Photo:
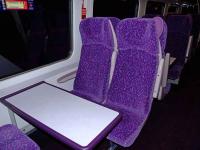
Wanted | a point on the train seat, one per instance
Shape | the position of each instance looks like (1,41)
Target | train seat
(131,89)
(161,81)
(179,28)
(92,79)
(11,138)
(161,27)
(162,33)
(114,21)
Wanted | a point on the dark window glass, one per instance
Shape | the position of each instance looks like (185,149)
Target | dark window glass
(172,9)
(115,8)
(155,8)
(34,38)
(189,9)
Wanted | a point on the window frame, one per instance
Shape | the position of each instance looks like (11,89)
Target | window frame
(159,2)
(54,62)
(27,78)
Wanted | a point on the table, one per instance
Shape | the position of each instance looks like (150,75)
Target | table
(73,120)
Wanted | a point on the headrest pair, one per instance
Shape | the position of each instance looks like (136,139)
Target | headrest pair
(130,32)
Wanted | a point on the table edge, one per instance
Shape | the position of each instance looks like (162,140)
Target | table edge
(52,132)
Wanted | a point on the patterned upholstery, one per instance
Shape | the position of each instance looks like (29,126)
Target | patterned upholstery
(152,16)
(131,90)
(114,21)
(94,67)
(161,31)
(11,138)
(161,27)
(179,28)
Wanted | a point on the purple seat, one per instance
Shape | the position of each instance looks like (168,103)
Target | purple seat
(114,21)
(153,15)
(11,138)
(94,67)
(131,89)
(162,32)
(179,28)
(161,27)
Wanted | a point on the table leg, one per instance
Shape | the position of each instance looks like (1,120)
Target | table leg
(12,117)
(113,146)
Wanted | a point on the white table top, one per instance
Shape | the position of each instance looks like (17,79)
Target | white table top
(69,115)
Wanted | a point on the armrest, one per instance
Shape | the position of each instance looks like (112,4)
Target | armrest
(166,69)
(189,48)
(158,78)
(67,77)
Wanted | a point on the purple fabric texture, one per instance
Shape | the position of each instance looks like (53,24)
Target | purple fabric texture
(131,89)
(179,28)
(163,37)
(153,15)
(114,21)
(94,66)
(175,71)
(139,35)
(11,138)
(161,27)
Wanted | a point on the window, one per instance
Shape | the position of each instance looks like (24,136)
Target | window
(115,8)
(172,9)
(189,8)
(33,38)
(156,8)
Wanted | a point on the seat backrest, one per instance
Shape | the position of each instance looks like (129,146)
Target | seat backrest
(114,21)
(161,27)
(179,28)
(136,67)
(153,15)
(92,77)
(161,32)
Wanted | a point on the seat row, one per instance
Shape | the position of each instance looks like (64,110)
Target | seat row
(182,37)
(119,68)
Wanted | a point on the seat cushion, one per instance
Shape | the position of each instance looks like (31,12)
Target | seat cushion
(128,129)
(175,71)
(11,138)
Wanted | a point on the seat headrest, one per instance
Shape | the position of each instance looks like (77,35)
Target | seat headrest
(138,32)
(114,21)
(161,28)
(96,30)
(179,23)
